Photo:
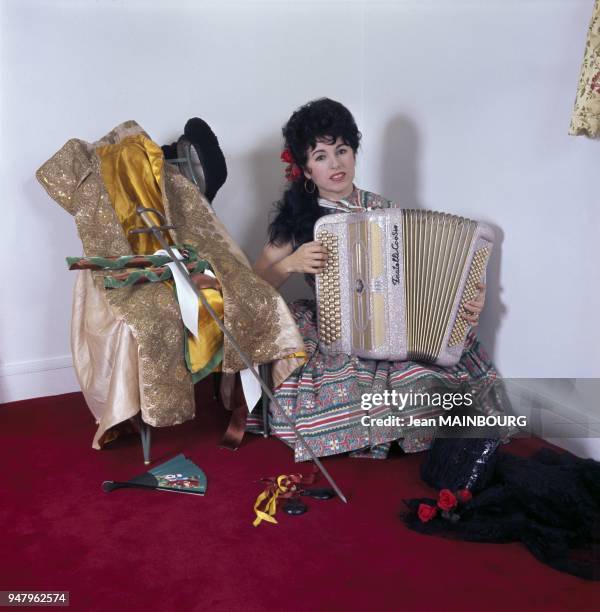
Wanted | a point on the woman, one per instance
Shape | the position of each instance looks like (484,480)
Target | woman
(324,396)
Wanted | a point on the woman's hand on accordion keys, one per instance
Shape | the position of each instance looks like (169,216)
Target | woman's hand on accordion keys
(474,307)
(310,257)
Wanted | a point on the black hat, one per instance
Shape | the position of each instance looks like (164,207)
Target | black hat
(204,163)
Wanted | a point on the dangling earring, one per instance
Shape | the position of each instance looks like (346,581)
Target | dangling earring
(306,183)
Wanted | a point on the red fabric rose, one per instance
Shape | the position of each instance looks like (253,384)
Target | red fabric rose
(447,500)
(426,512)
(292,170)
(295,172)
(286,156)
(464,496)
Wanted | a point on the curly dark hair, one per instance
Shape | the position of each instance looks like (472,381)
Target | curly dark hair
(324,120)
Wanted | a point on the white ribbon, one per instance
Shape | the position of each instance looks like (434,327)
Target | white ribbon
(186,296)
(251,387)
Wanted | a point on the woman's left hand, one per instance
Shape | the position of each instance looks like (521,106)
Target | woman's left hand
(474,307)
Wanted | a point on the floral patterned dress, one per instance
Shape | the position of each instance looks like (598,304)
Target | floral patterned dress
(324,396)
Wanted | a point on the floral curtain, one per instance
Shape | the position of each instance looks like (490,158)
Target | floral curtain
(586,114)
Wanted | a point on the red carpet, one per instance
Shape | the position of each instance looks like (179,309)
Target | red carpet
(134,549)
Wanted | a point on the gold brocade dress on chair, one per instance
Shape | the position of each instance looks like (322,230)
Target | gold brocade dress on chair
(128,344)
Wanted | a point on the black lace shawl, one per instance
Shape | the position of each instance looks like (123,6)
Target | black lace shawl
(550,502)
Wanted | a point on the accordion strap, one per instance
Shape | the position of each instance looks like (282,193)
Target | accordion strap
(341,206)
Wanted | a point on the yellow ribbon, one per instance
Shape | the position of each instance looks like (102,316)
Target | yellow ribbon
(283,485)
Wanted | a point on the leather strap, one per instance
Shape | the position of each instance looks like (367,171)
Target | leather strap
(239,413)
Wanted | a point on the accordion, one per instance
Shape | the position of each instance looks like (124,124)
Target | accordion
(396,281)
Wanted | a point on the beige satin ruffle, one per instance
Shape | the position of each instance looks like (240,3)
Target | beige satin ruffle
(105,357)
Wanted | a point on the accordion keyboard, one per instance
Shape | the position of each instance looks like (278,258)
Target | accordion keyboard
(330,313)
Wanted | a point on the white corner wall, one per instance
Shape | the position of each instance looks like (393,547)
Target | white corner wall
(464,107)
(467,110)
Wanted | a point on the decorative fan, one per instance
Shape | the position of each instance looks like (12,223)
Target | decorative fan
(178,475)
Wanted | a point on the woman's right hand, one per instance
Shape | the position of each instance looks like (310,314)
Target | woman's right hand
(310,257)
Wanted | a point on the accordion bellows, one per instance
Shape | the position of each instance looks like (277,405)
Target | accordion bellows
(396,281)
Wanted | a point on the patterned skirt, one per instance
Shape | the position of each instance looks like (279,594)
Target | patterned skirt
(328,398)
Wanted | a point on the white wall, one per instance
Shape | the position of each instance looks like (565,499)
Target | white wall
(464,106)
(477,105)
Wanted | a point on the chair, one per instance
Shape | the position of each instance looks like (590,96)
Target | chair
(200,159)
(126,343)
(265,373)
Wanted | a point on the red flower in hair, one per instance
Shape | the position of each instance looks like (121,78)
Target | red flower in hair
(292,170)
(464,496)
(286,156)
(447,500)
(426,512)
